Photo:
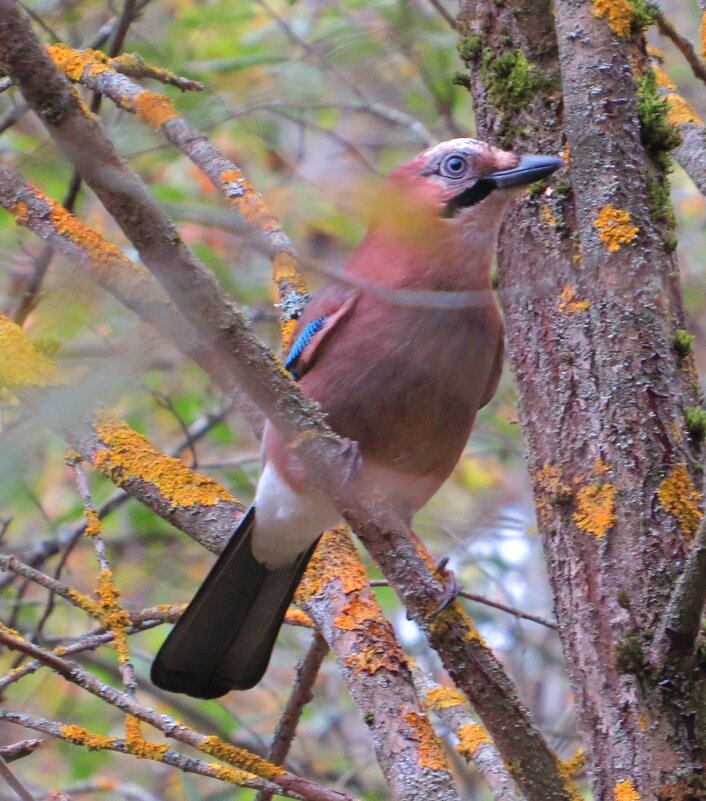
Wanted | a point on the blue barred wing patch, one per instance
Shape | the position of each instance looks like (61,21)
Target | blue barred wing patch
(301,343)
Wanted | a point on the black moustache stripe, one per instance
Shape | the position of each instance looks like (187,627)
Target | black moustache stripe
(469,197)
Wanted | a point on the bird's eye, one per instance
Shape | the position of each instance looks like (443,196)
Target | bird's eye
(454,166)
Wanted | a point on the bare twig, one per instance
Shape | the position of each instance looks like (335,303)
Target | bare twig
(439,6)
(683,44)
(20,749)
(481,599)
(302,693)
(18,786)
(682,617)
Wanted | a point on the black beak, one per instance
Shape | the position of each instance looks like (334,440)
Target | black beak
(529,170)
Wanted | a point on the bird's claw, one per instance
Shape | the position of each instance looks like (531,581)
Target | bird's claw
(351,457)
(452,589)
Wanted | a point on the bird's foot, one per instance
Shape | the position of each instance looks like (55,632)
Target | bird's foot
(351,457)
(452,589)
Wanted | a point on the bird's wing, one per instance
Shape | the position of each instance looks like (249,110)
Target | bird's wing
(322,316)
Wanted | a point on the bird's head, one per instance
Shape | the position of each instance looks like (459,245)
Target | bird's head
(460,186)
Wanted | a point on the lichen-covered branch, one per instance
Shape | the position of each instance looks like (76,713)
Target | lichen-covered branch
(196,293)
(75,735)
(159,112)
(690,153)
(474,743)
(243,762)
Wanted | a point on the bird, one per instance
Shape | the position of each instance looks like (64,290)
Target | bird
(398,375)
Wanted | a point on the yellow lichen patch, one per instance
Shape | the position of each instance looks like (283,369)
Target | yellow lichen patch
(444,698)
(295,617)
(154,109)
(129,456)
(74,63)
(375,648)
(679,112)
(431,753)
(703,34)
(619,12)
(112,616)
(93,523)
(595,512)
(570,303)
(239,757)
(286,330)
(625,791)
(600,468)
(21,364)
(615,228)
(138,746)
(679,497)
(470,738)
(106,784)
(80,736)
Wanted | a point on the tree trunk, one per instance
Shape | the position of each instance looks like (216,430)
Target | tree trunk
(606,386)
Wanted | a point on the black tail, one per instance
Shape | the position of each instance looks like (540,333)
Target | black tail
(224,639)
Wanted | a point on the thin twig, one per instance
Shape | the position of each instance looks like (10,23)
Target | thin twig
(19,750)
(481,599)
(14,782)
(683,44)
(438,5)
(682,618)
(302,693)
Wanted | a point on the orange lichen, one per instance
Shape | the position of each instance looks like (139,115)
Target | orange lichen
(703,34)
(74,63)
(21,364)
(549,483)
(84,602)
(239,757)
(154,109)
(678,496)
(600,468)
(136,744)
(548,215)
(444,698)
(93,523)
(570,768)
(243,196)
(20,212)
(232,775)
(112,616)
(106,784)
(614,227)
(569,303)
(431,753)
(619,12)
(470,738)
(295,617)
(357,613)
(128,456)
(335,558)
(625,791)
(595,512)
(679,112)
(80,736)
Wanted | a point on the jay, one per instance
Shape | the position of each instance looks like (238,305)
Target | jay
(403,381)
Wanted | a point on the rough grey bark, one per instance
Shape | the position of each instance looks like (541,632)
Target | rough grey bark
(602,390)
